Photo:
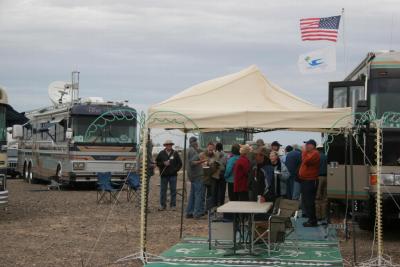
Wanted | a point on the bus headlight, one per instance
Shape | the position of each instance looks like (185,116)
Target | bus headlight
(397,179)
(78,165)
(129,166)
(387,178)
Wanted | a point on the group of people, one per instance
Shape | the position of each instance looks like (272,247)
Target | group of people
(259,174)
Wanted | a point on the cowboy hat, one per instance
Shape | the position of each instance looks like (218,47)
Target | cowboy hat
(168,142)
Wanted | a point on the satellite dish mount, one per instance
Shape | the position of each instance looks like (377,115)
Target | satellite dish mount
(61,92)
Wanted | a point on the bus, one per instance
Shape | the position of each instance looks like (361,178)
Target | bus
(374,87)
(71,141)
(227,138)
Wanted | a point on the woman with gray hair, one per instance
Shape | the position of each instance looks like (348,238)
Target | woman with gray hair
(241,174)
(277,175)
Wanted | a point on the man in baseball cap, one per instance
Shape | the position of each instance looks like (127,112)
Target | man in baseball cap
(195,206)
(308,174)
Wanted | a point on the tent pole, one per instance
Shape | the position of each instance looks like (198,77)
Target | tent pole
(352,198)
(346,162)
(183,183)
(143,196)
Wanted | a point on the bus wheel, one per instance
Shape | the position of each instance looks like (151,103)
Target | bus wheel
(25,172)
(58,177)
(31,180)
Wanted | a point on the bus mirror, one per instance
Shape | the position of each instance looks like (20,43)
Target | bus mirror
(17,131)
(68,134)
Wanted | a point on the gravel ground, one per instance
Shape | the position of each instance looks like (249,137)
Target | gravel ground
(68,228)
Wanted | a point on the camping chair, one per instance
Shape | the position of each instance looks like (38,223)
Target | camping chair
(105,187)
(279,224)
(54,185)
(133,192)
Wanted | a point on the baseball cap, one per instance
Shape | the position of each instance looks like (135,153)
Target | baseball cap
(311,142)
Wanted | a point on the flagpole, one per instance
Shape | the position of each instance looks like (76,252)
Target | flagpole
(344,44)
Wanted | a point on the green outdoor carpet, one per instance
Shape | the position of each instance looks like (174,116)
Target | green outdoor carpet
(195,252)
(314,246)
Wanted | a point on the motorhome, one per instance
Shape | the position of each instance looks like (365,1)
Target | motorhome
(8,117)
(12,160)
(373,88)
(74,139)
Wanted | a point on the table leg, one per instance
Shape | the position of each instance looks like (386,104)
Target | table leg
(251,224)
(234,233)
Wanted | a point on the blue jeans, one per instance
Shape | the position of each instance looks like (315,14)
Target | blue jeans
(195,205)
(296,190)
(289,187)
(165,180)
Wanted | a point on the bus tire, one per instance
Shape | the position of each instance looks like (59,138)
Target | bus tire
(31,179)
(25,172)
(58,176)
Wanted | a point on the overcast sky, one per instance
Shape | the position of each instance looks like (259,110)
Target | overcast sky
(146,51)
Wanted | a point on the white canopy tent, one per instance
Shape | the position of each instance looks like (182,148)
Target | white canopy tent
(245,99)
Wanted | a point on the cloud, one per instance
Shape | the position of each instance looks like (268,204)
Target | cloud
(146,51)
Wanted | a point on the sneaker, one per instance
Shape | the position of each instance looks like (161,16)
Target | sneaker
(161,208)
(310,224)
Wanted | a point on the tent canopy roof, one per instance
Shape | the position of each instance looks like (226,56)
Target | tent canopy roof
(245,99)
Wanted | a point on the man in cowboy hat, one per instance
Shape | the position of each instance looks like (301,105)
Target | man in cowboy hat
(169,163)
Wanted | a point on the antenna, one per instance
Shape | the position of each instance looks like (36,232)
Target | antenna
(75,85)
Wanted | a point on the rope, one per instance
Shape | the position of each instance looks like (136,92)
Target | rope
(105,222)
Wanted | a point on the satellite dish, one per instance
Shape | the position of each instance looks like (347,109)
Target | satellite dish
(60,92)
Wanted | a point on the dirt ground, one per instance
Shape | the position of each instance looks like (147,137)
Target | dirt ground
(68,228)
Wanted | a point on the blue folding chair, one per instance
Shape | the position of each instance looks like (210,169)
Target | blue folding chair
(133,192)
(104,187)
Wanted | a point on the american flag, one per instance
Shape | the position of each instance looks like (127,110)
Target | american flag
(316,29)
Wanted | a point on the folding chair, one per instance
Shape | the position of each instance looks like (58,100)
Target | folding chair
(54,185)
(219,230)
(279,224)
(104,187)
(133,192)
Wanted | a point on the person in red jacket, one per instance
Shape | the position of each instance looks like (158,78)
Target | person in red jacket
(241,174)
(308,174)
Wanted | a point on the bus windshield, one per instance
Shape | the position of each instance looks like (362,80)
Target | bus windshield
(227,138)
(3,129)
(385,95)
(115,132)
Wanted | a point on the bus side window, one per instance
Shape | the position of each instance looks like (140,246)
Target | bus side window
(356,94)
(60,131)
